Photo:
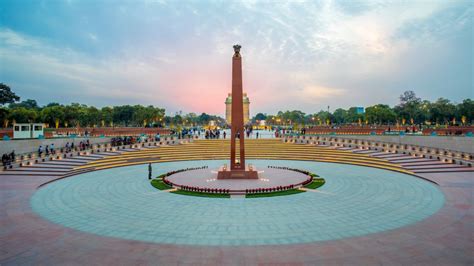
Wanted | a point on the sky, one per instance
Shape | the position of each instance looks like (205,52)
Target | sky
(303,55)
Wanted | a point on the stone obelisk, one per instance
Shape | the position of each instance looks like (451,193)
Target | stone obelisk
(238,169)
(237,126)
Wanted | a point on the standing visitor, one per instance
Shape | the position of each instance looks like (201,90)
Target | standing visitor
(149,171)
(224,134)
(12,157)
(4,160)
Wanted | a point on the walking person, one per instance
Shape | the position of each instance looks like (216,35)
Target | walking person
(40,151)
(12,157)
(149,171)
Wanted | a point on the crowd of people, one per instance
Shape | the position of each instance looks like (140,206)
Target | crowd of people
(8,158)
(127,140)
(47,150)
(213,134)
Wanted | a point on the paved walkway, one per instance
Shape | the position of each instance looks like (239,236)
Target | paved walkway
(445,238)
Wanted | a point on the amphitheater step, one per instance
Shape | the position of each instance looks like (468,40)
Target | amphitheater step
(410,159)
(364,152)
(439,166)
(35,169)
(52,166)
(433,162)
(455,170)
(30,173)
(62,163)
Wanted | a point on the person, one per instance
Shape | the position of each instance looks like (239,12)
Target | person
(47,149)
(67,147)
(4,159)
(149,171)
(52,148)
(12,156)
(256,135)
(40,151)
(224,134)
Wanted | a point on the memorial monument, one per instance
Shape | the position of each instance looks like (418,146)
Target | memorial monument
(228,108)
(238,169)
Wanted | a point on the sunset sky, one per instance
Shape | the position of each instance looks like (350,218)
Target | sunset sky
(177,54)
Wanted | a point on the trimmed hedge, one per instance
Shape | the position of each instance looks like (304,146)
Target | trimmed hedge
(275,194)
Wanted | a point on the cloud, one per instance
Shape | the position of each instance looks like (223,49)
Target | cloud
(317,92)
(305,55)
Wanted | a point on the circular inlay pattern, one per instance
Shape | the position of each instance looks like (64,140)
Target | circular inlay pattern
(267,178)
(355,201)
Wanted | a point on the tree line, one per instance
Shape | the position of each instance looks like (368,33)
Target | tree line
(81,115)
(410,110)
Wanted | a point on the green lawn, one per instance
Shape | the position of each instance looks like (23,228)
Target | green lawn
(317,182)
(201,194)
(159,184)
(275,194)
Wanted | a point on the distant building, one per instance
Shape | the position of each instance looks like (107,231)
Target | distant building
(28,130)
(360,110)
(228,108)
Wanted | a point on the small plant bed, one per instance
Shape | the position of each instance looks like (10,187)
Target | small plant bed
(274,194)
(316,183)
(159,184)
(201,194)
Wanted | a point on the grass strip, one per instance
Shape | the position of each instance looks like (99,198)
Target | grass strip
(159,184)
(275,194)
(316,183)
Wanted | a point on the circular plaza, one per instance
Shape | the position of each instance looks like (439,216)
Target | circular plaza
(355,201)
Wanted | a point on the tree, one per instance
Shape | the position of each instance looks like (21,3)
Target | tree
(52,104)
(380,113)
(71,114)
(442,111)
(260,117)
(28,104)
(340,116)
(353,116)
(52,114)
(409,97)
(409,107)
(6,95)
(466,110)
(107,115)
(123,114)
(204,119)
(23,115)
(4,114)
(324,117)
